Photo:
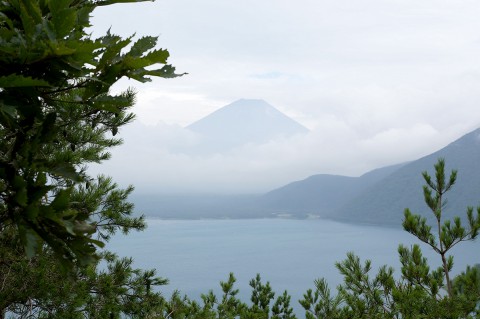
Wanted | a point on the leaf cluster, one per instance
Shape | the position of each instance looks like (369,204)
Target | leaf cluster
(57,115)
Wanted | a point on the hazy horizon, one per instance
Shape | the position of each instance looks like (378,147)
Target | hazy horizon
(188,163)
(376,82)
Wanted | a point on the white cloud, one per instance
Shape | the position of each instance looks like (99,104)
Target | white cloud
(153,158)
(379,82)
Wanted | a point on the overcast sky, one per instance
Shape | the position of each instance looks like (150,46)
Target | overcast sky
(377,82)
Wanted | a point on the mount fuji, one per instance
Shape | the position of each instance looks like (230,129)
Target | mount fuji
(244,122)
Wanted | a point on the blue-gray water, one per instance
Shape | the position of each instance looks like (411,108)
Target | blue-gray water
(195,255)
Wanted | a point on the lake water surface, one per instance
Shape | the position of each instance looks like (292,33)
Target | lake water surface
(195,255)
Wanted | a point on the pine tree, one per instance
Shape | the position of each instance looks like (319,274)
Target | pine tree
(444,235)
(419,292)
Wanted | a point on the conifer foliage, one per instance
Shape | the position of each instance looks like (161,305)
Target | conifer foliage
(420,292)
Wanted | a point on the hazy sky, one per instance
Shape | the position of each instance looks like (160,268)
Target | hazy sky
(377,82)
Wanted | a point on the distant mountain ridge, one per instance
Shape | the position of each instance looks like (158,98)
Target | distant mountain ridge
(382,198)
(377,197)
(319,195)
(385,201)
(246,121)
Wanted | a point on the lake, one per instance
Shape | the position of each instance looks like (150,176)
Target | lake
(195,255)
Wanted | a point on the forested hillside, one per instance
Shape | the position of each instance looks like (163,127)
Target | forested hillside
(385,201)
(320,195)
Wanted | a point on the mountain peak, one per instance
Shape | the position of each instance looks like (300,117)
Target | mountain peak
(245,121)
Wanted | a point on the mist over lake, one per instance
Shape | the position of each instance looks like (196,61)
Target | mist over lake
(195,255)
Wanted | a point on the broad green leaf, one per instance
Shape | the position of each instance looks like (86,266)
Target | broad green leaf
(48,212)
(113,46)
(15,80)
(86,48)
(31,241)
(65,170)
(83,16)
(7,116)
(167,71)
(19,182)
(158,56)
(50,32)
(142,45)
(64,21)
(109,2)
(84,228)
(57,6)
(69,227)
(135,63)
(59,49)
(31,212)
(31,16)
(62,200)
(48,127)
(97,242)
(8,109)
(37,193)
